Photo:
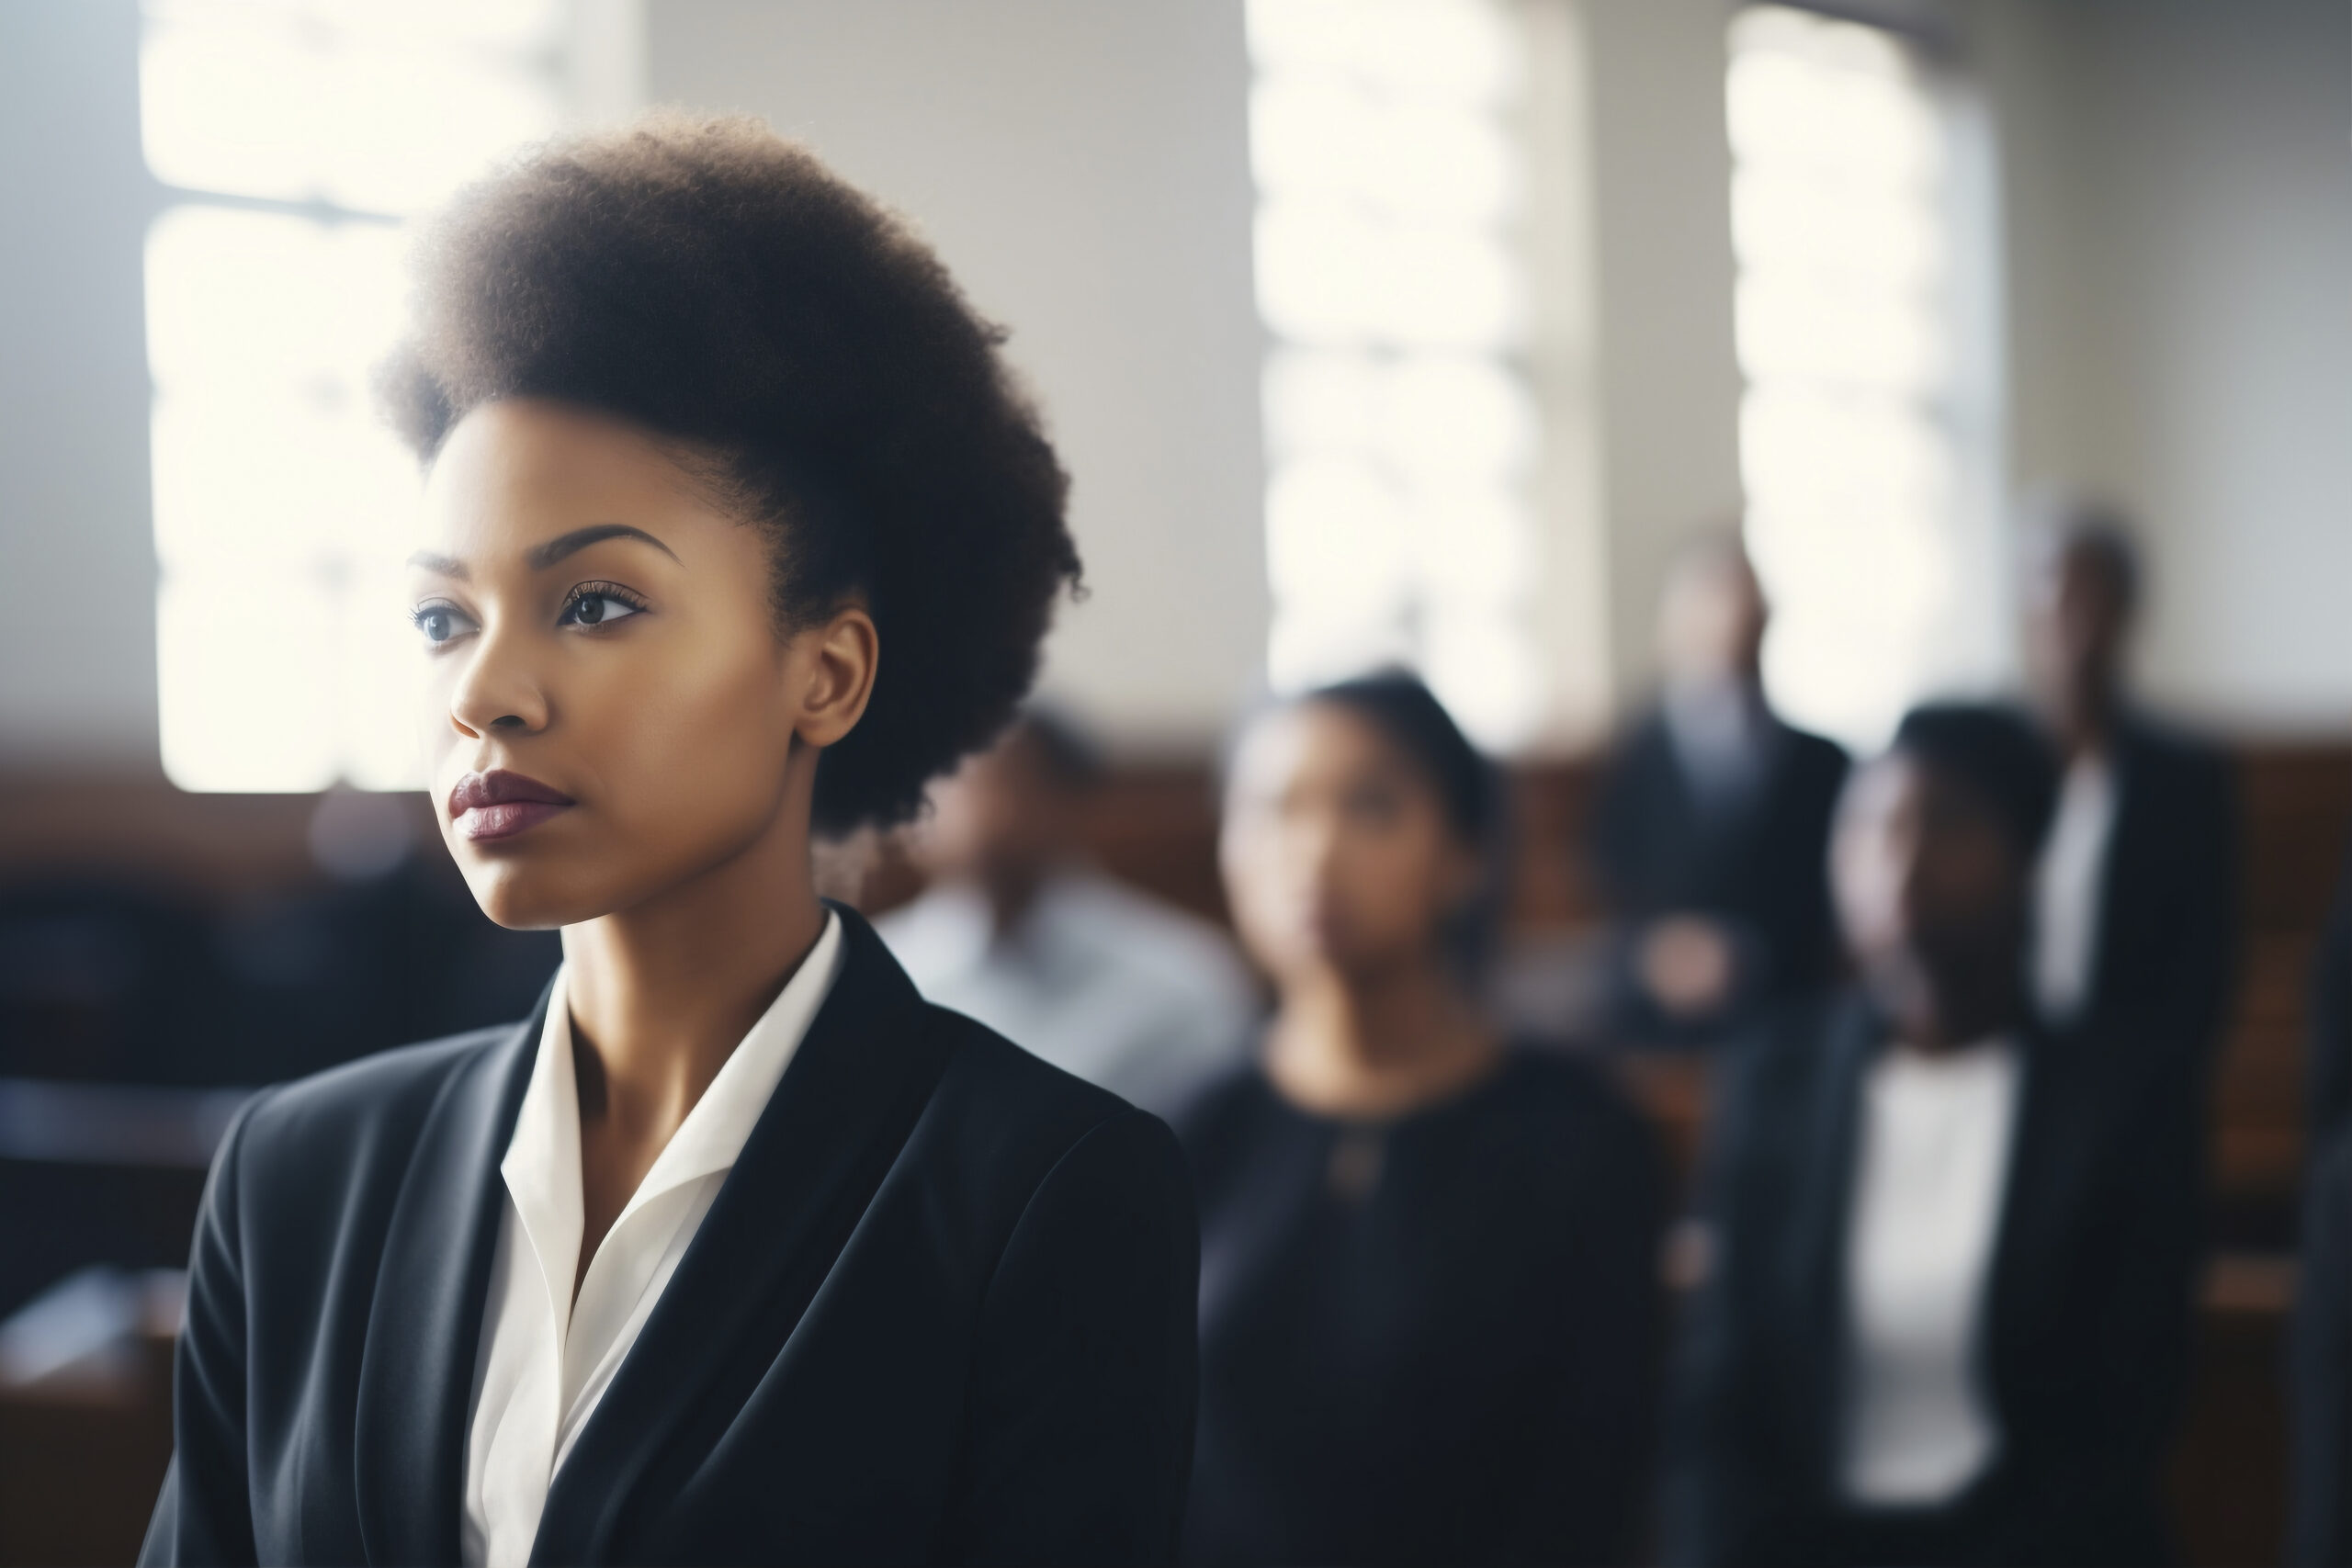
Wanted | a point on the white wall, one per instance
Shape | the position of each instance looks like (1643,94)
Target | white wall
(77,558)
(1083,169)
(1669,383)
(2177,182)
(2176,216)
(2178,179)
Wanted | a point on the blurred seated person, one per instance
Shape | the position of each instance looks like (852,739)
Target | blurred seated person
(1712,822)
(1430,1299)
(1946,1306)
(1019,931)
(2320,1369)
(2136,895)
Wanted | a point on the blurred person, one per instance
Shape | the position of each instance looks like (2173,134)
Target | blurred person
(1020,933)
(735,1250)
(1429,1287)
(2328,1088)
(1946,1306)
(2320,1381)
(2319,1530)
(1711,831)
(2135,898)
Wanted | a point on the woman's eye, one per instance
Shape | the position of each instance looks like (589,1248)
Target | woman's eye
(439,623)
(598,610)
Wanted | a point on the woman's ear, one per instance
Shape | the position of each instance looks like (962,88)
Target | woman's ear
(831,667)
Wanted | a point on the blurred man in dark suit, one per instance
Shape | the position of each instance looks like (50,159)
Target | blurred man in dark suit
(1712,824)
(2136,914)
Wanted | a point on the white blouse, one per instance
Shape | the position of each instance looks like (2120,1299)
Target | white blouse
(1931,1172)
(546,1359)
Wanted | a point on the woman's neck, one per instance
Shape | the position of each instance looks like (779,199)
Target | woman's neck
(1374,1047)
(661,993)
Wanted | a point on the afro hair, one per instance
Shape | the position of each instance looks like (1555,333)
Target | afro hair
(811,359)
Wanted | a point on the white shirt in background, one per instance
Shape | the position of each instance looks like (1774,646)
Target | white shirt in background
(546,1360)
(1931,1168)
(1103,982)
(2068,886)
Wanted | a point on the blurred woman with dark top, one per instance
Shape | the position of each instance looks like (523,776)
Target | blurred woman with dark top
(1946,1308)
(1429,1297)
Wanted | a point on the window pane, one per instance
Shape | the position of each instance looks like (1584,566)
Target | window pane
(256,299)
(1320,401)
(1399,426)
(368,108)
(282,504)
(381,671)
(246,681)
(1336,542)
(1843,330)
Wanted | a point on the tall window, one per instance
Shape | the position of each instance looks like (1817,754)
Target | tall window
(292,137)
(1400,431)
(1854,426)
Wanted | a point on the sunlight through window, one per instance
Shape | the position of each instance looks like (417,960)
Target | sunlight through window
(1846,339)
(293,136)
(1400,430)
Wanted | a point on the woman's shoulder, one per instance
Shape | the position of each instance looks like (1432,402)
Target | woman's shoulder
(1005,1115)
(338,1122)
(1223,1106)
(1030,1096)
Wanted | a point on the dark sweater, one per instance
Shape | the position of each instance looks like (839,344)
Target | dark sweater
(1427,1341)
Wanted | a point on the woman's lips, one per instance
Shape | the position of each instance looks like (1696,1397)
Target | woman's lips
(499,804)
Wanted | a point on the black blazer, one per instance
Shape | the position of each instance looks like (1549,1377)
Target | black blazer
(1759,866)
(2320,1363)
(2085,1336)
(941,1310)
(2169,902)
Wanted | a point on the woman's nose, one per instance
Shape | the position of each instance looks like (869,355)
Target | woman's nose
(497,693)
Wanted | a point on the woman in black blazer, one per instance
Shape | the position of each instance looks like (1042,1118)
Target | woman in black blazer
(1817,1419)
(736,1251)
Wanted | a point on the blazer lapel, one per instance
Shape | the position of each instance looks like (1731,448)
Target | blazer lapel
(416,1369)
(2049,1133)
(836,1123)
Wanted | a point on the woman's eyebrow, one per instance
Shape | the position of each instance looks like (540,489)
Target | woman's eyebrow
(539,557)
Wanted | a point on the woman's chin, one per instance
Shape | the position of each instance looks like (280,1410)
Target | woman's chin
(526,898)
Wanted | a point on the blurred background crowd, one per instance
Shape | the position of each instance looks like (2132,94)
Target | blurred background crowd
(1809,1027)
